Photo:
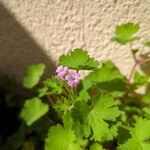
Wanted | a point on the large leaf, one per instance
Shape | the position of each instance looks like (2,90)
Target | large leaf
(79,114)
(60,138)
(115,87)
(107,72)
(78,59)
(33,75)
(140,136)
(33,109)
(107,78)
(104,109)
(125,33)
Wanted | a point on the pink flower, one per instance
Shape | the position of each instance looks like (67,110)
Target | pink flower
(73,78)
(61,71)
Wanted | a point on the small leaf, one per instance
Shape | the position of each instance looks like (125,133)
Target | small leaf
(125,33)
(33,109)
(33,74)
(147,43)
(51,86)
(134,51)
(60,138)
(61,106)
(146,98)
(140,80)
(96,146)
(78,59)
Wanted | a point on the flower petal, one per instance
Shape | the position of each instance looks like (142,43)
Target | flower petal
(59,68)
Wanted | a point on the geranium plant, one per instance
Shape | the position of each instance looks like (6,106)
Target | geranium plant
(102,111)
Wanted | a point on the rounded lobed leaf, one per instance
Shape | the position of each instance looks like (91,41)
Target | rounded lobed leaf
(33,109)
(33,75)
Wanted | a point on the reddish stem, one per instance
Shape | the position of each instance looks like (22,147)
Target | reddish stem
(137,62)
(132,71)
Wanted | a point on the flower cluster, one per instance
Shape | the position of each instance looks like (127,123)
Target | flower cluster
(72,77)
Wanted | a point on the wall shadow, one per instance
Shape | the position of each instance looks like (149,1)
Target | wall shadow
(17,47)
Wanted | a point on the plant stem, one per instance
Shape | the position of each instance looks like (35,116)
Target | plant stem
(132,71)
(51,102)
(136,63)
(133,54)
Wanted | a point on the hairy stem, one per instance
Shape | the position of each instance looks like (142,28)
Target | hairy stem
(136,62)
(132,72)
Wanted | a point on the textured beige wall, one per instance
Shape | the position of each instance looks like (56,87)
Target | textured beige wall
(42,30)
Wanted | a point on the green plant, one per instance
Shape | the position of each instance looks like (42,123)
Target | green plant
(101,111)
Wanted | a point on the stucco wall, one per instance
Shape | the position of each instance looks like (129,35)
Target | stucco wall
(42,30)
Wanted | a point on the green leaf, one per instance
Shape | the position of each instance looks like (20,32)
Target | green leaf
(146,111)
(79,60)
(86,84)
(147,43)
(96,146)
(140,136)
(140,80)
(60,138)
(107,78)
(123,134)
(40,127)
(33,109)
(79,114)
(105,109)
(61,106)
(51,86)
(33,75)
(107,72)
(125,33)
(146,98)
(83,95)
(116,87)
(83,90)
(67,119)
